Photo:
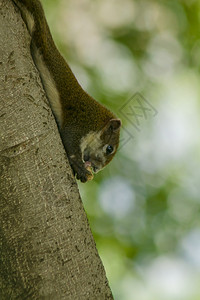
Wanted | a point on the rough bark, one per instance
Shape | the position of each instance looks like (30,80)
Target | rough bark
(46,247)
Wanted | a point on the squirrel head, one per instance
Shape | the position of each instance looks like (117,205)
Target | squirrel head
(98,148)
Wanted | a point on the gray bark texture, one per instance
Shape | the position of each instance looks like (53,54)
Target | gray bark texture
(47,250)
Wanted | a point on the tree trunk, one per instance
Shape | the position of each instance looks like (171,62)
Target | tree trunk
(46,247)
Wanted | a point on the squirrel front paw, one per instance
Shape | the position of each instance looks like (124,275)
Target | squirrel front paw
(82,172)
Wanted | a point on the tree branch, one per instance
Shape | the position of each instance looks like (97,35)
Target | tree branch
(46,247)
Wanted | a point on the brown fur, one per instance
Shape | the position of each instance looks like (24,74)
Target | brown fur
(78,115)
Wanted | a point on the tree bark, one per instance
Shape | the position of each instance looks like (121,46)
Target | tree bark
(46,247)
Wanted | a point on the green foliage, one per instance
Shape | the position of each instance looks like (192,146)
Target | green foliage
(144,207)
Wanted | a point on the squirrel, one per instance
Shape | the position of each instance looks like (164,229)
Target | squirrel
(89,131)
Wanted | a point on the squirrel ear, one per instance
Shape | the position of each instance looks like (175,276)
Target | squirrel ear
(115,124)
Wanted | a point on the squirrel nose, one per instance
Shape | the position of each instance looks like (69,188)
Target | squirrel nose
(86,157)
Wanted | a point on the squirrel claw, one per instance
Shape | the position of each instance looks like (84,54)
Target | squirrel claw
(82,173)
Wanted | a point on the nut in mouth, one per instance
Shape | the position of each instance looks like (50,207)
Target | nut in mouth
(88,167)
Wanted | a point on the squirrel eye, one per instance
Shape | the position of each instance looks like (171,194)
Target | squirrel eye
(109,149)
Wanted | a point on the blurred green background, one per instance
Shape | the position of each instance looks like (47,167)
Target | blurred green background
(144,208)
